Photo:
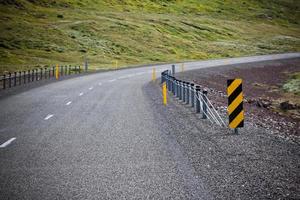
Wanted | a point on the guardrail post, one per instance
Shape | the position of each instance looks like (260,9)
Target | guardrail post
(66,70)
(53,68)
(32,75)
(187,93)
(20,77)
(15,79)
(173,86)
(184,93)
(4,81)
(28,76)
(170,83)
(180,90)
(36,74)
(41,73)
(204,105)
(197,99)
(45,73)
(176,88)
(49,71)
(9,79)
(24,76)
(61,71)
(173,70)
(192,94)
(167,80)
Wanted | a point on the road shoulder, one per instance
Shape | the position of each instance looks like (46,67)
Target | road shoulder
(252,165)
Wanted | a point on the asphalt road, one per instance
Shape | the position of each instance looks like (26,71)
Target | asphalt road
(96,137)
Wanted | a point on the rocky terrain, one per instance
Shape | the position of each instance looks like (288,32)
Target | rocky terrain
(267,104)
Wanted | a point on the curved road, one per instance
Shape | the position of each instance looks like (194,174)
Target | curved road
(95,137)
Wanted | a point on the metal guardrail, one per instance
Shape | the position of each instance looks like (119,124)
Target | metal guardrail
(190,93)
(24,77)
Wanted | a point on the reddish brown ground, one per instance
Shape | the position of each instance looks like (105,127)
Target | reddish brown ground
(262,82)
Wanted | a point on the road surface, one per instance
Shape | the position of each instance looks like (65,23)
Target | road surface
(96,137)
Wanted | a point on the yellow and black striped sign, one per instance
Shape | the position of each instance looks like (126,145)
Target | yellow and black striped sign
(235,103)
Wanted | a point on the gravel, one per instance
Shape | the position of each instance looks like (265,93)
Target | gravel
(251,165)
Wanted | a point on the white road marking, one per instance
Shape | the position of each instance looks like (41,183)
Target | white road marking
(81,93)
(90,88)
(48,117)
(5,144)
(122,77)
(112,80)
(99,84)
(69,103)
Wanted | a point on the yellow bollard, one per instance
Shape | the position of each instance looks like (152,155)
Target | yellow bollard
(116,65)
(57,72)
(182,67)
(164,93)
(153,74)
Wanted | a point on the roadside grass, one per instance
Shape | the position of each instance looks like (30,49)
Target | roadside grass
(293,84)
(142,32)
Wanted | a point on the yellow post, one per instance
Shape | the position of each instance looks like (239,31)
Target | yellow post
(182,67)
(116,65)
(57,72)
(153,74)
(164,93)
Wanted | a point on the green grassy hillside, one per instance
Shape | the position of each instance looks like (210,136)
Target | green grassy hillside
(40,32)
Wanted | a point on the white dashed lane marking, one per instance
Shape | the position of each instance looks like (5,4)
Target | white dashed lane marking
(122,77)
(112,80)
(48,117)
(69,103)
(90,88)
(80,94)
(5,144)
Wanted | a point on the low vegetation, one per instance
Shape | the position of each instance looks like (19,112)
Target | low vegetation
(293,84)
(46,32)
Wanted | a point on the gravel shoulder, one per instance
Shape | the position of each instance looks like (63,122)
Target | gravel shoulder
(252,165)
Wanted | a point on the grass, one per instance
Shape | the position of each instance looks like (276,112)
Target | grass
(293,84)
(40,32)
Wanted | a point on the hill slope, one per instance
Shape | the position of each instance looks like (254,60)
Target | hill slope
(38,32)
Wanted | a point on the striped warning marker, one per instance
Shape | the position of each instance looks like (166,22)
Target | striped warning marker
(235,103)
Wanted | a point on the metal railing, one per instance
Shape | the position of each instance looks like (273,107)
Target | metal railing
(190,93)
(24,77)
